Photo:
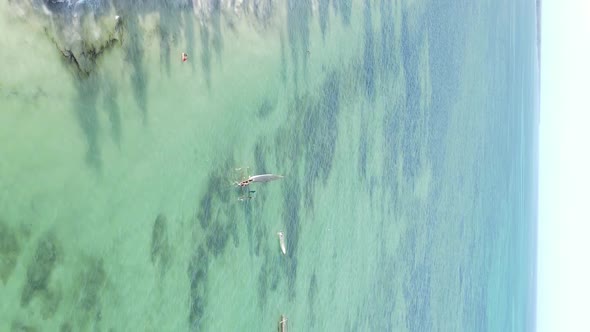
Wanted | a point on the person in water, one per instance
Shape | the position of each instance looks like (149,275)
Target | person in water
(245,183)
(184,57)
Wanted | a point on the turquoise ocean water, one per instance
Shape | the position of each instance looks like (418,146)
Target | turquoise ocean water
(405,132)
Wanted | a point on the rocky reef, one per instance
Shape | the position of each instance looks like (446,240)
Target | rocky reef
(40,269)
(160,248)
(9,251)
(84,30)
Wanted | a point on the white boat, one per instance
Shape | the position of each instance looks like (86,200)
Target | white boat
(283,324)
(282,242)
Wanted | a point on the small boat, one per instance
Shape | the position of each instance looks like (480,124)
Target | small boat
(283,324)
(265,177)
(282,242)
(262,178)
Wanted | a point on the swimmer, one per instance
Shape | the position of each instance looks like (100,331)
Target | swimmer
(184,57)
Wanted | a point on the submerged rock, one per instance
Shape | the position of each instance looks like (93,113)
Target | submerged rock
(9,251)
(312,295)
(92,281)
(50,303)
(83,30)
(65,327)
(197,273)
(18,326)
(83,57)
(160,248)
(40,268)
(57,6)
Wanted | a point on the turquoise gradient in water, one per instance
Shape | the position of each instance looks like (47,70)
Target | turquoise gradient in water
(405,132)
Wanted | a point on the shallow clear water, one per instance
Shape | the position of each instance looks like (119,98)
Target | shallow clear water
(405,132)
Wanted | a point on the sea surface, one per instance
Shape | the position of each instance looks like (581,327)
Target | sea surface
(406,133)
